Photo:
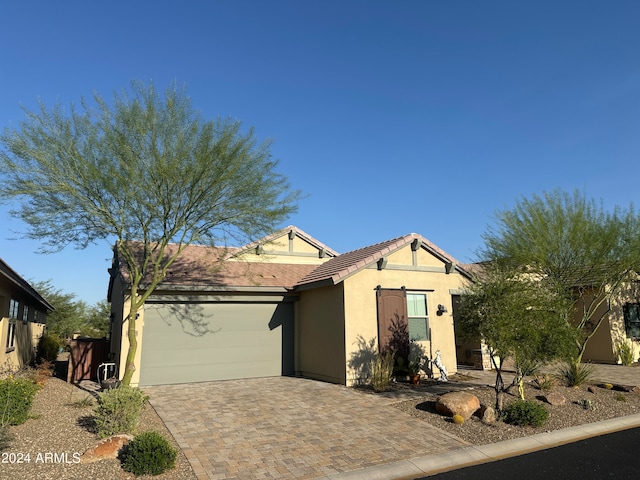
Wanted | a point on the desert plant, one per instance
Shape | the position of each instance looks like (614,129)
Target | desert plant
(457,419)
(544,382)
(624,351)
(118,410)
(149,454)
(48,347)
(576,374)
(587,404)
(525,413)
(381,371)
(621,397)
(16,397)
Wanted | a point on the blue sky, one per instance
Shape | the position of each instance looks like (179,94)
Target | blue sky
(393,117)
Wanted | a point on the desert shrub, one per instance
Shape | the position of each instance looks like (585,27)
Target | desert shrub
(48,347)
(621,397)
(576,374)
(118,410)
(149,454)
(544,382)
(525,413)
(587,404)
(16,397)
(381,371)
(624,351)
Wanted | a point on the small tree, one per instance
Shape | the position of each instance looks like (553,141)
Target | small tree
(584,251)
(517,316)
(147,168)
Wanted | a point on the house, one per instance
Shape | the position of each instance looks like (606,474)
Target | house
(287,305)
(23,318)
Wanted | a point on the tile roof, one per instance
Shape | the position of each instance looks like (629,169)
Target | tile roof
(299,232)
(337,269)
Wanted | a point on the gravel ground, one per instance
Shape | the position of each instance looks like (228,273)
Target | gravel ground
(606,404)
(60,430)
(64,432)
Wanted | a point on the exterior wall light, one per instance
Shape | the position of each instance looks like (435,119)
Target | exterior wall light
(441,309)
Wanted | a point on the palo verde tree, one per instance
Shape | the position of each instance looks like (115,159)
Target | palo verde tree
(517,316)
(144,170)
(586,252)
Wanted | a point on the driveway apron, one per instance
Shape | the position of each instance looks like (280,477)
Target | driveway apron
(285,427)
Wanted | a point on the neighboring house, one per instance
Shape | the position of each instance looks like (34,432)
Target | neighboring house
(287,305)
(22,321)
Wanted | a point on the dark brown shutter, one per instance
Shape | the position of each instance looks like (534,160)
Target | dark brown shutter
(392,308)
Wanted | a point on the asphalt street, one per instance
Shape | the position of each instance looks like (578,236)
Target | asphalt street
(615,455)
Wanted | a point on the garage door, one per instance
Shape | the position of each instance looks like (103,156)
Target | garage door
(185,343)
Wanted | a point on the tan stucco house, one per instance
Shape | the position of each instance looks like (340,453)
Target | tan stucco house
(286,305)
(22,321)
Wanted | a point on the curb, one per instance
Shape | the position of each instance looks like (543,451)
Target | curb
(475,455)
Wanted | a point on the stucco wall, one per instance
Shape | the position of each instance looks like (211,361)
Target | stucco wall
(420,271)
(321,334)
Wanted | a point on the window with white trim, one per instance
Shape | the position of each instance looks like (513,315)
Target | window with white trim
(25,314)
(14,307)
(11,334)
(417,316)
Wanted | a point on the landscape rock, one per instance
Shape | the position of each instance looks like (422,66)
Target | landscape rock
(555,398)
(627,388)
(107,448)
(461,403)
(486,413)
(591,389)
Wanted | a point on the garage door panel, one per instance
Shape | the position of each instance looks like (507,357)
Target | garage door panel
(239,341)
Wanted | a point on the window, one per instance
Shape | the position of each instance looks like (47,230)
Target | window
(35,316)
(25,314)
(11,334)
(417,316)
(13,308)
(632,319)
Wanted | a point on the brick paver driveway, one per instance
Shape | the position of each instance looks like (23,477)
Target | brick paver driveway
(285,427)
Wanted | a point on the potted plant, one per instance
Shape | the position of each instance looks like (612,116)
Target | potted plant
(414,367)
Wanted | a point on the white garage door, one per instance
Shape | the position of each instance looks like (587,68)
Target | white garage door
(198,342)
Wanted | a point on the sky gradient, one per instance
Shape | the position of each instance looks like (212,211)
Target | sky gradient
(393,117)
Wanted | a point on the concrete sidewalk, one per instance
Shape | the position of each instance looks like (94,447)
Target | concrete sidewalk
(297,428)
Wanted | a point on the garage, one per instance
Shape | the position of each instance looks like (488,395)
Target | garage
(184,342)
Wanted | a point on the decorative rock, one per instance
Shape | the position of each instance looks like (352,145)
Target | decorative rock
(627,388)
(486,414)
(591,389)
(461,403)
(107,448)
(555,398)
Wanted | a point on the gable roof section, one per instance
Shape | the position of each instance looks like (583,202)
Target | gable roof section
(8,273)
(339,268)
(275,235)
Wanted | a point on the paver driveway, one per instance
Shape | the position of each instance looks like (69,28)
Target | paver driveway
(284,427)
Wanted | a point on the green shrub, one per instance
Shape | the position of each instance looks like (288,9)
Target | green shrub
(149,454)
(525,413)
(576,374)
(48,347)
(118,410)
(381,371)
(16,397)
(624,351)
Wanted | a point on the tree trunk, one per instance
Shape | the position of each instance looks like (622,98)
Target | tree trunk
(130,366)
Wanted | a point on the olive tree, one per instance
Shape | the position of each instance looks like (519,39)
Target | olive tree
(586,252)
(518,316)
(144,170)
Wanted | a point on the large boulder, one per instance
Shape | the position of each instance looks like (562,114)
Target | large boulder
(555,398)
(107,448)
(457,403)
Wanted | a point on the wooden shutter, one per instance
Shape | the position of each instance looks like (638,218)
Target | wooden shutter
(392,307)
